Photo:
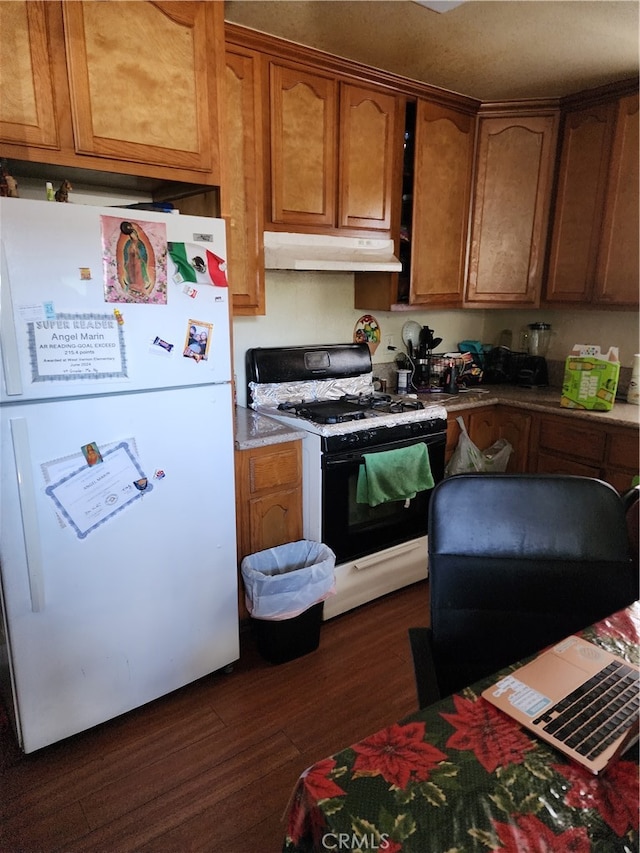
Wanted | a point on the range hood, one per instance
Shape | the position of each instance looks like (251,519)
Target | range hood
(285,251)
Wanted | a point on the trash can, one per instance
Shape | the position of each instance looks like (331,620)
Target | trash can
(285,590)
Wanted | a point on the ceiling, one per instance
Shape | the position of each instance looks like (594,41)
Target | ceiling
(486,49)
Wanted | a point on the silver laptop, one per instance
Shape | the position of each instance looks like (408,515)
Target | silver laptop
(576,696)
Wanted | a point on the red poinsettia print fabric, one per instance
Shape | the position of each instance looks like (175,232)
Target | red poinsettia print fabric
(461,777)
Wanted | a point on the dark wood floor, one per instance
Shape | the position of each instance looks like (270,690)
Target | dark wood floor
(211,767)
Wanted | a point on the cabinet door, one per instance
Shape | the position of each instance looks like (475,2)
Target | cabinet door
(274,520)
(27,104)
(441,190)
(515,426)
(514,169)
(617,270)
(144,91)
(481,426)
(622,458)
(367,156)
(242,189)
(579,203)
(303,111)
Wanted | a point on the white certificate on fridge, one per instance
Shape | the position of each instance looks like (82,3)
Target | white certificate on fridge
(91,495)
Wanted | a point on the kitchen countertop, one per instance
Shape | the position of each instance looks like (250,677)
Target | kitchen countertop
(255,430)
(534,399)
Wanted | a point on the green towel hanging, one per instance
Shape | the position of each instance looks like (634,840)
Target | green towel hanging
(394,475)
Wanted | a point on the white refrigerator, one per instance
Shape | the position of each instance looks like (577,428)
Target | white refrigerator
(117,538)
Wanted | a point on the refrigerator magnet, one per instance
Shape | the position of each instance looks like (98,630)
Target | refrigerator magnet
(198,340)
(158,344)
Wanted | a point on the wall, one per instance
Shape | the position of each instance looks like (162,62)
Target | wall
(317,308)
(571,326)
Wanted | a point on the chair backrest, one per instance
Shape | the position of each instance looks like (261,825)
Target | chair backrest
(517,562)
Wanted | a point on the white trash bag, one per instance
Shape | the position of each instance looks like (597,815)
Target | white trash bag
(467,458)
(284,581)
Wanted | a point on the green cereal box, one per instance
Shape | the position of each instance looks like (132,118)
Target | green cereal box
(590,378)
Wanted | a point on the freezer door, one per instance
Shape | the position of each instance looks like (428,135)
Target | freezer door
(116,593)
(98,300)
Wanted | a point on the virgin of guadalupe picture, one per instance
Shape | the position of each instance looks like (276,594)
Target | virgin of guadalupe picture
(134,256)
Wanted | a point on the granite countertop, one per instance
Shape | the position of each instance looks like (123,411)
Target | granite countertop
(255,430)
(534,399)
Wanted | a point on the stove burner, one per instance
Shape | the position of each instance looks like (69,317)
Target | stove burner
(384,403)
(350,407)
(367,401)
(325,411)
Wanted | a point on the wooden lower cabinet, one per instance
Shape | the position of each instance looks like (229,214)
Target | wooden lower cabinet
(268,500)
(560,445)
(486,425)
(553,444)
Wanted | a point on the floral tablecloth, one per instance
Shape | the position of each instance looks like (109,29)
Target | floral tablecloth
(460,777)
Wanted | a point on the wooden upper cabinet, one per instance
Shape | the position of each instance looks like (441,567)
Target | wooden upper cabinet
(617,268)
(333,149)
(441,189)
(303,112)
(242,194)
(514,171)
(366,157)
(140,84)
(579,203)
(27,104)
(129,87)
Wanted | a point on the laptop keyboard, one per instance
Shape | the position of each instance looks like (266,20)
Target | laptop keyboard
(596,713)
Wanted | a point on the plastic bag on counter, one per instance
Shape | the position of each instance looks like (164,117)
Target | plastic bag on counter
(467,458)
(284,581)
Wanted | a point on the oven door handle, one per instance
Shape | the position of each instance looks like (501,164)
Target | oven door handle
(373,560)
(334,460)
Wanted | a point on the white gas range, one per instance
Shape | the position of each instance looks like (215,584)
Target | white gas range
(328,392)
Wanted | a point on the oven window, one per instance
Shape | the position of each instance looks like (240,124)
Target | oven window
(354,529)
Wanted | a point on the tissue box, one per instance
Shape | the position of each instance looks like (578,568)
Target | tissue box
(590,378)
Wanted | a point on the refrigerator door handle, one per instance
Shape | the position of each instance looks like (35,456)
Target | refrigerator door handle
(10,358)
(30,526)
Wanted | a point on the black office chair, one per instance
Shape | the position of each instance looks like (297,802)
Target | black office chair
(516,563)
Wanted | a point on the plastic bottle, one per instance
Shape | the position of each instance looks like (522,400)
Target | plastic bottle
(51,196)
(402,386)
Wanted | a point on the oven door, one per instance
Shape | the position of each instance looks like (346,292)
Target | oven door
(354,529)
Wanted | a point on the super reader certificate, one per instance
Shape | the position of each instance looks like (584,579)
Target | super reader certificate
(91,495)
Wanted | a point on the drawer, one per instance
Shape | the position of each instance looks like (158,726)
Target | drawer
(576,440)
(274,469)
(549,464)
